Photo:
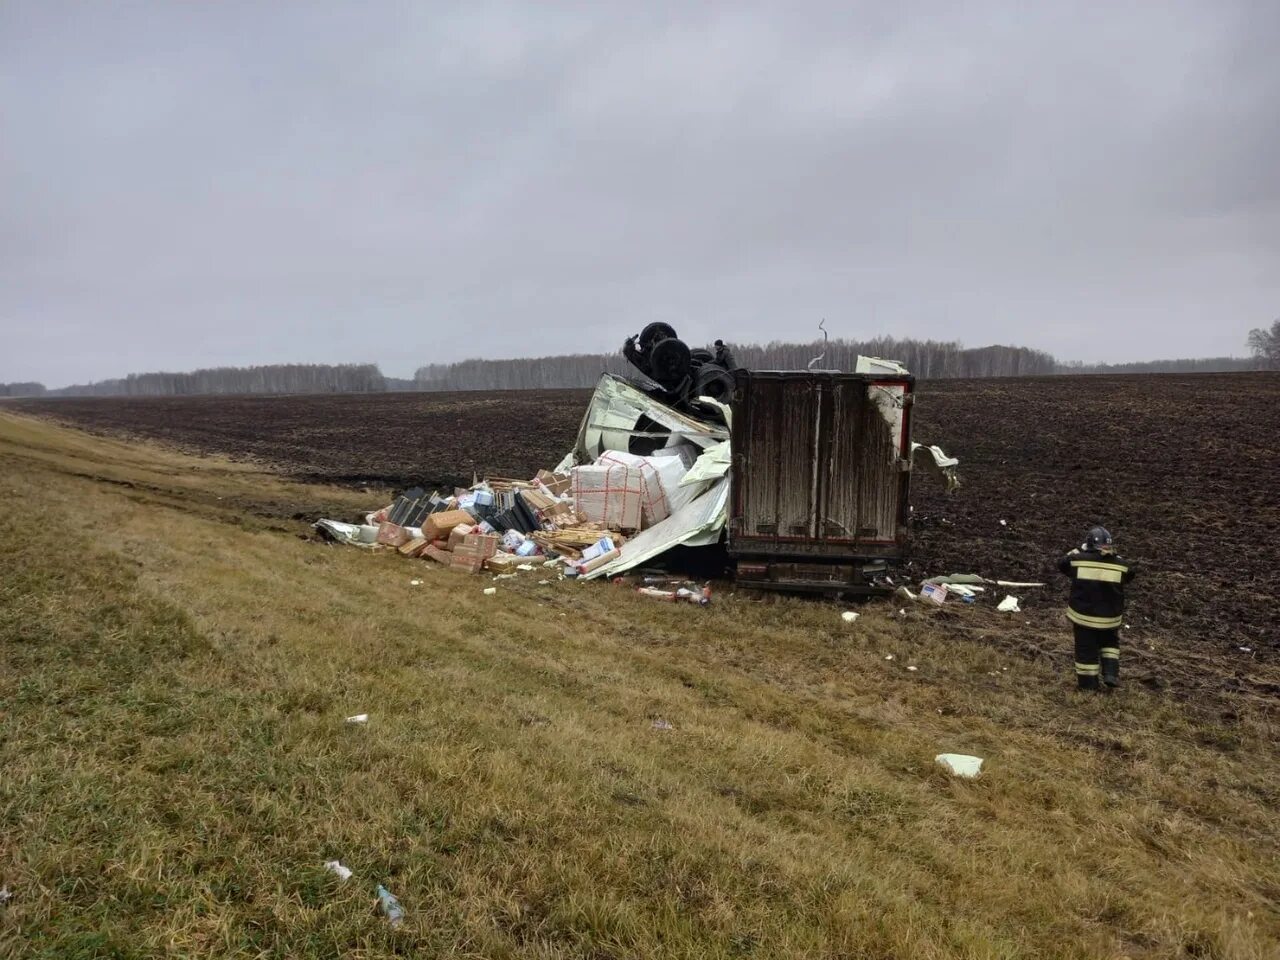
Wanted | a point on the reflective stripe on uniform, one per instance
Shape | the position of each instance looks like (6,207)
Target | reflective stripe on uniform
(1110,653)
(1096,570)
(1088,669)
(1094,623)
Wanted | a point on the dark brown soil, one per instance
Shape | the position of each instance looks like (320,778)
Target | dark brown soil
(1184,470)
(380,439)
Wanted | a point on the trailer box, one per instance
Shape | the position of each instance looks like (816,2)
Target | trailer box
(820,479)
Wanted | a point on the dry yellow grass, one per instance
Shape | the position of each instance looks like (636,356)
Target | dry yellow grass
(177,664)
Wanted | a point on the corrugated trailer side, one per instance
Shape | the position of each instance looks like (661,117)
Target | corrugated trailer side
(820,479)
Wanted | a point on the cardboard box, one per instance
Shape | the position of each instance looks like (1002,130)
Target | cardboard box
(503,563)
(392,534)
(558,484)
(457,533)
(486,544)
(413,547)
(467,562)
(937,592)
(438,526)
(432,552)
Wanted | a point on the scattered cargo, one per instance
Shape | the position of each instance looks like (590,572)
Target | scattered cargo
(800,478)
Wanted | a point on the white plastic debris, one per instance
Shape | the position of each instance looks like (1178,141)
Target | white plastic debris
(5,893)
(913,668)
(359,718)
(336,868)
(888,656)
(490,591)
(937,592)
(905,593)
(962,765)
(849,616)
(1245,649)
(390,907)
(415,583)
(525,566)
(661,724)
(1004,523)
(902,612)
(1009,605)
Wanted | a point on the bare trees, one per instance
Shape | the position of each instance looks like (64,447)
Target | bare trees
(25,389)
(1264,344)
(273,378)
(925,358)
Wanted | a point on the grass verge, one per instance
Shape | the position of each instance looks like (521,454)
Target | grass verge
(177,663)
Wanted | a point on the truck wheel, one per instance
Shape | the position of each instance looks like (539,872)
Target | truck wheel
(669,362)
(714,382)
(655,333)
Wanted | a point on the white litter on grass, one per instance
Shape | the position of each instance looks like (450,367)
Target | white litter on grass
(543,583)
(1004,523)
(358,718)
(504,576)
(962,765)
(1245,649)
(525,566)
(336,868)
(888,656)
(415,583)
(5,893)
(662,725)
(849,616)
(490,591)
(902,612)
(913,669)
(1009,605)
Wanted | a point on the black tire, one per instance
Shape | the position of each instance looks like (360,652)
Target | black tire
(714,382)
(701,356)
(656,333)
(669,362)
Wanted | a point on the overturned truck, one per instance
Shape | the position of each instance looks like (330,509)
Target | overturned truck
(802,476)
(797,480)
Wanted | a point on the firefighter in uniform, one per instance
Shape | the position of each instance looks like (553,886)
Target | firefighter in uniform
(1095,609)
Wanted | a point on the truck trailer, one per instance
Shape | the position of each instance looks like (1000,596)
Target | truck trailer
(819,488)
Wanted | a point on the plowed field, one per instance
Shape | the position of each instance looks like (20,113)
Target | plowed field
(1185,471)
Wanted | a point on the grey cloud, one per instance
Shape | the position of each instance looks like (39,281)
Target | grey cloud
(405,183)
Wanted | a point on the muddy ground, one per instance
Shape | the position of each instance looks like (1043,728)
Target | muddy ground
(1185,471)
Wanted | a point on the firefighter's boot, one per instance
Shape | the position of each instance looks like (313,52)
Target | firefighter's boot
(1111,666)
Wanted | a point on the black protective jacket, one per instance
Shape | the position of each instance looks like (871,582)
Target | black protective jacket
(1097,587)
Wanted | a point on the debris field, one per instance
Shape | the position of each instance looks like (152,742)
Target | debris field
(1182,468)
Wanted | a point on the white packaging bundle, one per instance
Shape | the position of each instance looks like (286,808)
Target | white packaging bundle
(609,494)
(660,493)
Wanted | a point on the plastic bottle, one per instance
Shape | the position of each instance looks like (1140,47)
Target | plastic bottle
(390,906)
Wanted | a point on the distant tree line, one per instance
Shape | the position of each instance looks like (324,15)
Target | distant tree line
(273,378)
(924,358)
(29,389)
(927,359)
(1202,365)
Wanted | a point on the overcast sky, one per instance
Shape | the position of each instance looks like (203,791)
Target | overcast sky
(196,184)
